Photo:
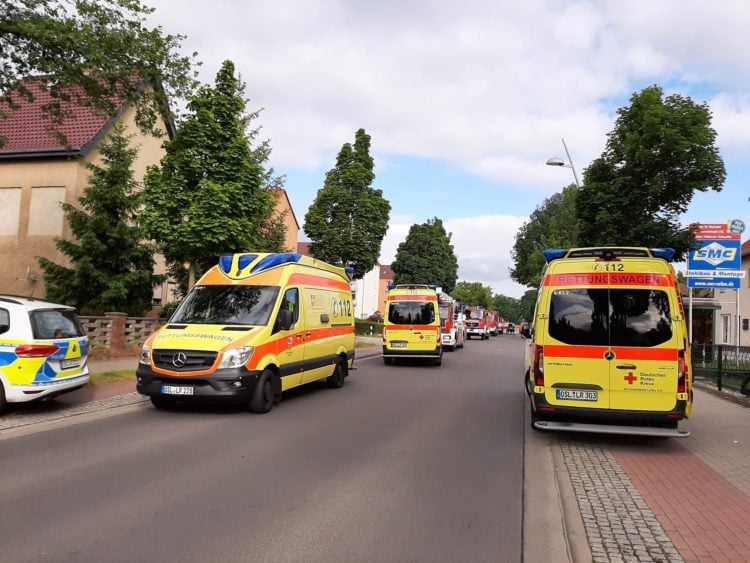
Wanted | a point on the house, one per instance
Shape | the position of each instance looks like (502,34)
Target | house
(38,172)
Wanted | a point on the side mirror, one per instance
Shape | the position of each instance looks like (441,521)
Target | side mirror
(324,318)
(526,331)
(285,319)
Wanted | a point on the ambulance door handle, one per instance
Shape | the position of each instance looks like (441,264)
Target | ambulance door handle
(626,366)
(308,334)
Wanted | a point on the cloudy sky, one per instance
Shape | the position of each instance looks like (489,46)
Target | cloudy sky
(466,101)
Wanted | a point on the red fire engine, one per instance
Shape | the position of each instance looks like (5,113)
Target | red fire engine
(477,322)
(451,329)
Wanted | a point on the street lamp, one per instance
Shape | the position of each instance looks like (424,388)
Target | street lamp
(560,162)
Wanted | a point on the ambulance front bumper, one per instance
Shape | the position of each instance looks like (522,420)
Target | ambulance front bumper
(234,385)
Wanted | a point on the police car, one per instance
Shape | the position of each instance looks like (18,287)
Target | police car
(43,350)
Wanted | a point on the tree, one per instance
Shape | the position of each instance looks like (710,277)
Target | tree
(472,294)
(426,256)
(508,307)
(97,53)
(526,305)
(348,219)
(206,197)
(659,154)
(553,224)
(112,268)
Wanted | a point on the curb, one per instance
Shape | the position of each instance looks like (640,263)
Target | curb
(573,527)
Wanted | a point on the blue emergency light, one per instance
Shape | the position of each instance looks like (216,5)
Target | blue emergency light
(554,254)
(276,260)
(225,262)
(664,253)
(245,260)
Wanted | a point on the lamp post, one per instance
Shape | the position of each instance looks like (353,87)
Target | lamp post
(560,162)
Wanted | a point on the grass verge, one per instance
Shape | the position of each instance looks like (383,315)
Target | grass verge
(110,376)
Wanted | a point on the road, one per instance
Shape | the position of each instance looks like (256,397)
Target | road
(404,463)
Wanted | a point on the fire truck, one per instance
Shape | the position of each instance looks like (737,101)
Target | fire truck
(452,334)
(494,323)
(477,322)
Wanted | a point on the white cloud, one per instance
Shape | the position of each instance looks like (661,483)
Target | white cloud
(482,244)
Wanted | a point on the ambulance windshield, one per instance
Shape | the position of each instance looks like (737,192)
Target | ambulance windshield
(227,305)
(411,313)
(615,317)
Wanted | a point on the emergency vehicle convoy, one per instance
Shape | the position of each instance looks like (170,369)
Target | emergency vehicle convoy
(451,328)
(477,322)
(412,324)
(608,345)
(254,326)
(493,323)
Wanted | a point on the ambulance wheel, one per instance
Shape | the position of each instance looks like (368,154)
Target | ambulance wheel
(161,402)
(263,394)
(534,418)
(336,380)
(387,361)
(438,361)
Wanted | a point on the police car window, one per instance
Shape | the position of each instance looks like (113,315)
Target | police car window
(579,316)
(4,320)
(411,312)
(639,317)
(50,324)
(227,305)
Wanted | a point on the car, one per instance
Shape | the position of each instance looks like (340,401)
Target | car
(43,350)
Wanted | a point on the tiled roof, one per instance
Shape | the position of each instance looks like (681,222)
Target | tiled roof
(745,248)
(386,272)
(303,248)
(28,131)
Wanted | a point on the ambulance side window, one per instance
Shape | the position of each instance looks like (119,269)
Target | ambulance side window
(289,302)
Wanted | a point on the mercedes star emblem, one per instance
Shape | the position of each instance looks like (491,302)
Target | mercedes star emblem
(179,359)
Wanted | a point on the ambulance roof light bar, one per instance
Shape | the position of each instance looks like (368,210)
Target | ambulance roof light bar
(608,253)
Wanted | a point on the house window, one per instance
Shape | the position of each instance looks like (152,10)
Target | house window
(45,213)
(10,210)
(726,330)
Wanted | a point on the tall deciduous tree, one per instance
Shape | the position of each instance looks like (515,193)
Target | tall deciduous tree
(98,52)
(426,256)
(206,197)
(473,294)
(348,219)
(508,307)
(659,154)
(552,225)
(112,269)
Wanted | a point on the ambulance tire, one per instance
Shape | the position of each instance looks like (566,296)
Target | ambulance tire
(162,403)
(438,361)
(3,403)
(387,361)
(535,418)
(263,395)
(336,380)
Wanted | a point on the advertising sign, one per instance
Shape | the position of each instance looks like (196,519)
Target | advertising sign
(716,262)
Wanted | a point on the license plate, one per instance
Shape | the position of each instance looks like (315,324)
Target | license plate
(566,395)
(71,363)
(398,344)
(176,390)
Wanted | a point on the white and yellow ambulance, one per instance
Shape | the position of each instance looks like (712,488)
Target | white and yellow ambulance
(254,326)
(608,347)
(411,328)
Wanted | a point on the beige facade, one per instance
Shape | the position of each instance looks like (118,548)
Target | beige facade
(284,207)
(31,191)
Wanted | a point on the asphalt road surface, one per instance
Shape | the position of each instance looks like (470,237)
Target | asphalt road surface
(404,463)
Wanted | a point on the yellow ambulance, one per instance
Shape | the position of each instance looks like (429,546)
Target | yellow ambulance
(608,347)
(255,325)
(411,328)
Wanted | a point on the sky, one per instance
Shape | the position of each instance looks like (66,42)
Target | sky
(466,101)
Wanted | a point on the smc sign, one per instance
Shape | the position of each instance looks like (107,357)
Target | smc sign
(716,254)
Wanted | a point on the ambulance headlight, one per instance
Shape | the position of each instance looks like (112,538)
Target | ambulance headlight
(236,357)
(145,356)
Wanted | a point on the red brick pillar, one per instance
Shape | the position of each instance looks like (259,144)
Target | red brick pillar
(117,331)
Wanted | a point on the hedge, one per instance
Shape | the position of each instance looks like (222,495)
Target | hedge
(363,328)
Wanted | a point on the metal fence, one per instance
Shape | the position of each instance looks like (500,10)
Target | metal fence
(728,367)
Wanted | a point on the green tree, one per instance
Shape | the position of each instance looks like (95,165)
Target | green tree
(426,256)
(508,307)
(472,294)
(96,52)
(348,219)
(111,267)
(526,305)
(661,151)
(553,224)
(206,197)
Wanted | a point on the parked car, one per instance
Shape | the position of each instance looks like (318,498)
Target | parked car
(43,350)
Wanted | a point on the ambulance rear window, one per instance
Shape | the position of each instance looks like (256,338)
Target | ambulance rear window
(411,313)
(227,305)
(616,317)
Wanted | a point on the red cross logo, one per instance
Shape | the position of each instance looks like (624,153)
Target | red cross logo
(630,378)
